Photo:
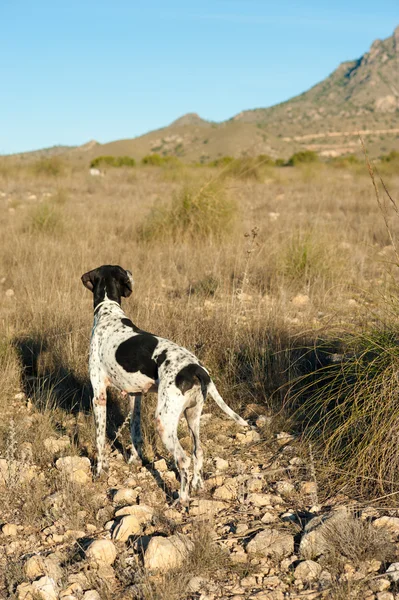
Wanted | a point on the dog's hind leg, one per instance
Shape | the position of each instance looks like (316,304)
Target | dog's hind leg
(135,429)
(100,417)
(193,416)
(167,418)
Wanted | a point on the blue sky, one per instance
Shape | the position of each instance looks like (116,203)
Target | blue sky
(75,70)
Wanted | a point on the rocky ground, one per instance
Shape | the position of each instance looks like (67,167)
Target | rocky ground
(257,531)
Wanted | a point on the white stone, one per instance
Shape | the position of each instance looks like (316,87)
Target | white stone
(56,445)
(9,529)
(103,551)
(45,588)
(127,526)
(307,570)
(390,523)
(125,496)
(272,542)
(160,465)
(221,464)
(91,595)
(207,507)
(300,300)
(164,554)
(142,512)
(285,488)
(393,571)
(259,499)
(9,293)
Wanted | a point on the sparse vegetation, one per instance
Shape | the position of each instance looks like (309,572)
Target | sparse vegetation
(112,161)
(196,212)
(303,157)
(261,281)
(156,160)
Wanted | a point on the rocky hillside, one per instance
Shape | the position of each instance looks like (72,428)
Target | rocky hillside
(360,96)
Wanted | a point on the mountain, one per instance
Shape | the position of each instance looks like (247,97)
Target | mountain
(360,96)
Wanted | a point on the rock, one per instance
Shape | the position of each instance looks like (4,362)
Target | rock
(227,491)
(91,595)
(390,523)
(25,591)
(314,540)
(285,488)
(254,484)
(9,529)
(248,582)
(197,584)
(203,507)
(57,445)
(164,554)
(95,172)
(221,464)
(142,512)
(102,551)
(125,496)
(75,468)
(37,566)
(393,572)
(272,542)
(248,437)
(300,300)
(385,596)
(160,465)
(308,487)
(15,471)
(259,499)
(9,293)
(127,526)
(307,570)
(284,438)
(45,588)
(380,585)
(268,518)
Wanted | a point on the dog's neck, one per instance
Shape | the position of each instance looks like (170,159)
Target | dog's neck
(106,303)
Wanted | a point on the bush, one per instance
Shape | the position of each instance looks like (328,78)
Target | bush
(112,161)
(49,166)
(349,409)
(44,218)
(392,156)
(303,157)
(195,212)
(249,167)
(223,161)
(156,160)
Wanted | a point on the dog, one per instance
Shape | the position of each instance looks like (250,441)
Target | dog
(136,362)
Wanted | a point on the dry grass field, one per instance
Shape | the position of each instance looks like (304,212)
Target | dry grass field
(282,280)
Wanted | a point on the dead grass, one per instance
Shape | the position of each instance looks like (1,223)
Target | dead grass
(320,237)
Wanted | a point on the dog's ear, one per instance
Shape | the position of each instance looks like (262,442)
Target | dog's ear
(127,284)
(87,280)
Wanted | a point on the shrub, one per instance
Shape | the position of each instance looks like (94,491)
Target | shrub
(249,167)
(303,157)
(223,161)
(156,160)
(195,212)
(49,166)
(112,161)
(350,410)
(44,218)
(392,156)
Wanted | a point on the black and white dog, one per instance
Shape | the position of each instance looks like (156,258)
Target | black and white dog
(135,362)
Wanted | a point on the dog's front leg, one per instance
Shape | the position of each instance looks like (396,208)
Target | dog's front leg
(135,429)
(100,417)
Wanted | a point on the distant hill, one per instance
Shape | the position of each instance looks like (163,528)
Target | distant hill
(360,96)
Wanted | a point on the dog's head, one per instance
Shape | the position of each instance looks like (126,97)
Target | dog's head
(108,281)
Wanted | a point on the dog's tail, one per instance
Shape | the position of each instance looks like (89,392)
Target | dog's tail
(207,385)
